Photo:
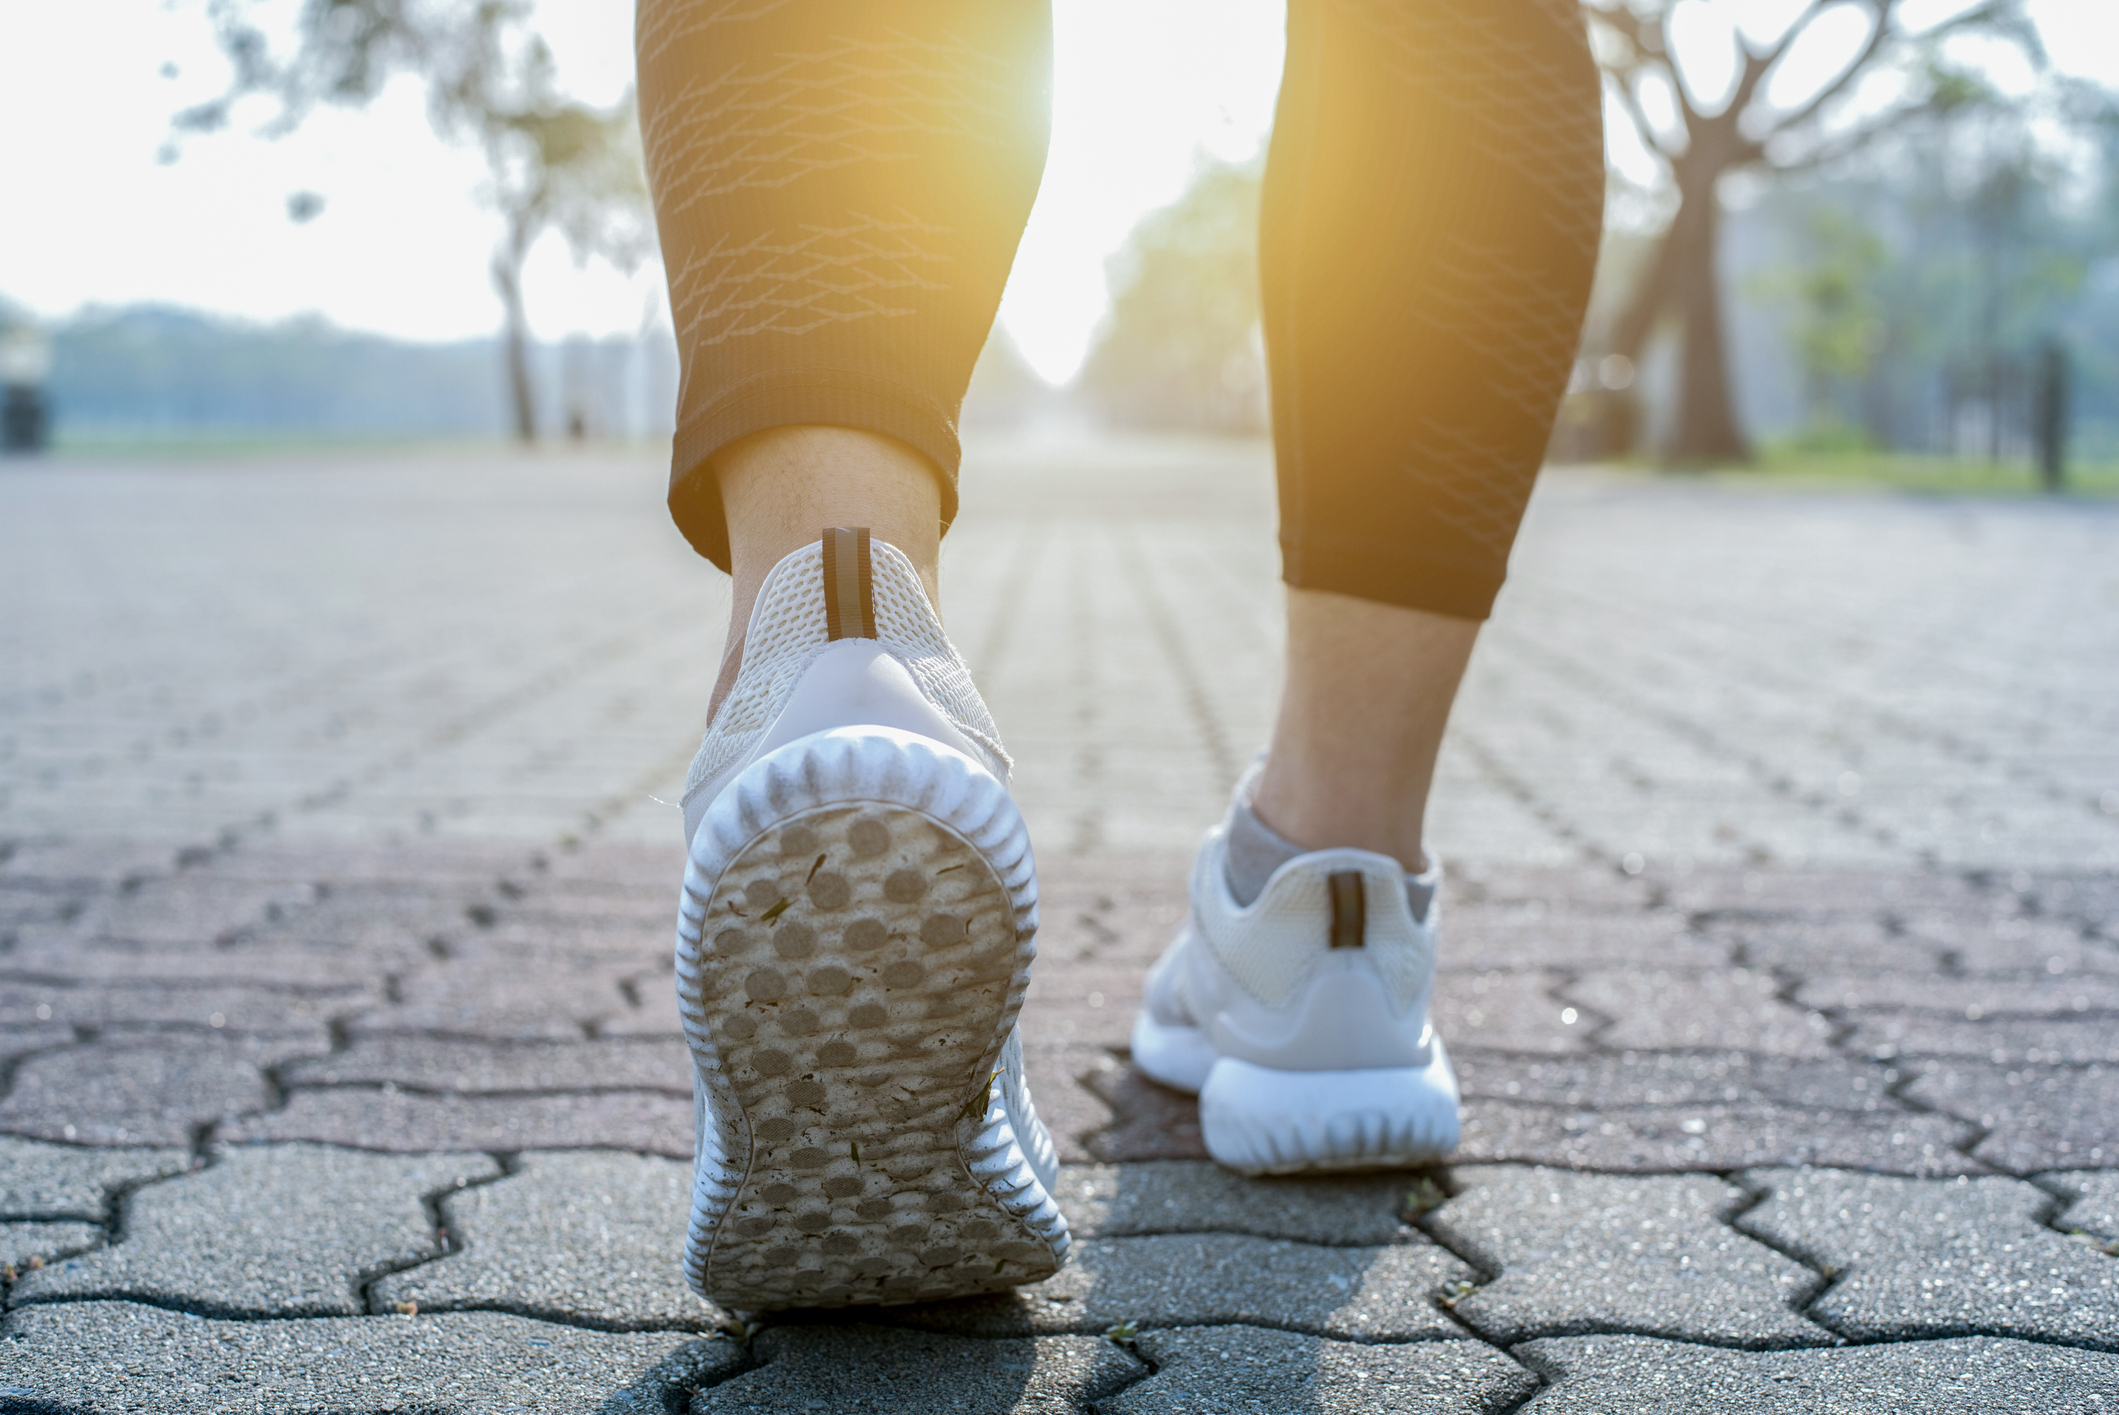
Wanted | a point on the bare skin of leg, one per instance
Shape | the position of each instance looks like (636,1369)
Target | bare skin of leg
(781,487)
(1368,692)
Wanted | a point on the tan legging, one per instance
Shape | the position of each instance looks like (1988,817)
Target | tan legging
(841,184)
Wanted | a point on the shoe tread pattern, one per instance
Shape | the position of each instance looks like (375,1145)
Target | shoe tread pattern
(858,964)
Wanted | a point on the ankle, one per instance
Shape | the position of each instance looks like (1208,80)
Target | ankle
(781,489)
(1325,806)
(1253,850)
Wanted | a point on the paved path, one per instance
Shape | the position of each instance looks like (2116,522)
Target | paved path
(341,1073)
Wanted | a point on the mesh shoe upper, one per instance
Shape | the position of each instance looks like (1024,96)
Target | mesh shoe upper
(1272,945)
(789,628)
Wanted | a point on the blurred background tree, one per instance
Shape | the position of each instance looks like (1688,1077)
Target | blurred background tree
(1181,347)
(1703,131)
(553,163)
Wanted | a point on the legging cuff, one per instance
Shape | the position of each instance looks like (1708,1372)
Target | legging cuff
(1388,575)
(797,397)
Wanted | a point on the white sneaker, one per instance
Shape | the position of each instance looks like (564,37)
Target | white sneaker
(1302,1020)
(853,944)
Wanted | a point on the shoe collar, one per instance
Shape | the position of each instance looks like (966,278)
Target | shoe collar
(1384,877)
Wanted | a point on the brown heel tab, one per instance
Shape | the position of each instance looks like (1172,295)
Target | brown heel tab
(1350,922)
(849,584)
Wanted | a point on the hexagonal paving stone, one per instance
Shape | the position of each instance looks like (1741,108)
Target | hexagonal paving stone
(149,1361)
(1500,936)
(2038,1117)
(2094,1207)
(1678,1078)
(1633,1375)
(46,1181)
(271,1230)
(1252,1371)
(469,1066)
(1361,1294)
(1146,1121)
(1727,1007)
(1597,1252)
(834,1367)
(1717,1137)
(2034,995)
(573,1235)
(22,1244)
(151,1089)
(1196,1196)
(2004,1040)
(298,1015)
(1916,1258)
(36,1036)
(651,1121)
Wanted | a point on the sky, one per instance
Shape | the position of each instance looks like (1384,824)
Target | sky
(1143,89)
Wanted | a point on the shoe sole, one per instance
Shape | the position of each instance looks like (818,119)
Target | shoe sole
(1260,1120)
(848,980)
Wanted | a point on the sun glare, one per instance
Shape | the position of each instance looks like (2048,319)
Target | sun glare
(1141,92)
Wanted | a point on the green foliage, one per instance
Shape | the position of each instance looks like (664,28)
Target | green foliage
(1181,346)
(1423,1199)
(1843,325)
(1838,325)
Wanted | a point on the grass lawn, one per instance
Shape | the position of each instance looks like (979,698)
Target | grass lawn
(1915,472)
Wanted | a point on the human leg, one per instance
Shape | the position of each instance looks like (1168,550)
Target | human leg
(1367,695)
(840,187)
(1451,154)
(1430,224)
(839,190)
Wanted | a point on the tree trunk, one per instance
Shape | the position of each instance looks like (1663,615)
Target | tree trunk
(1707,430)
(1653,295)
(1682,279)
(515,337)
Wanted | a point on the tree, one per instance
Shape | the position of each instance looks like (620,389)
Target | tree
(1709,136)
(1181,347)
(554,163)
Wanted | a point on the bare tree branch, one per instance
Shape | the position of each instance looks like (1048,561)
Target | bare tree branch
(1756,66)
(1884,32)
(1630,101)
(1847,144)
(1795,30)
(1646,39)
(1878,37)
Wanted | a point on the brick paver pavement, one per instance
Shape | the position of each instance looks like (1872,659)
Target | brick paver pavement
(338,1066)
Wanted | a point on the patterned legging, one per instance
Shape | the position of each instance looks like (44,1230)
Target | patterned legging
(841,184)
